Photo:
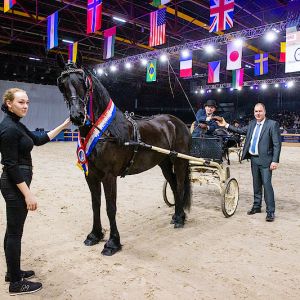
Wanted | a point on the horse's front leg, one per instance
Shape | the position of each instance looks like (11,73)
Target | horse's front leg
(113,245)
(96,235)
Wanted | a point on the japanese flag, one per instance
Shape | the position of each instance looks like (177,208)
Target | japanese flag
(234,56)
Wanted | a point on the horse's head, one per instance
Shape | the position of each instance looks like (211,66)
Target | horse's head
(75,85)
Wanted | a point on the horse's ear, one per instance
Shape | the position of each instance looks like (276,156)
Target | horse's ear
(60,60)
(79,59)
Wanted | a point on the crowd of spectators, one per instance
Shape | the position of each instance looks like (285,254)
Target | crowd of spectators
(289,122)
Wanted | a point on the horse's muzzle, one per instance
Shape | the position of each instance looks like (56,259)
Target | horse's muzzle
(77,120)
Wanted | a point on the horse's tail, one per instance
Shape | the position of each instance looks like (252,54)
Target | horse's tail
(187,197)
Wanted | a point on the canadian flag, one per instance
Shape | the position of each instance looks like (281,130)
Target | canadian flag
(234,56)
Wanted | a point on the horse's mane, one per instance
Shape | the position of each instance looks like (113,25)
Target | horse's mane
(119,126)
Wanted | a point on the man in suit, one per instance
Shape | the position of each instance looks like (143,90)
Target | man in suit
(262,146)
(204,123)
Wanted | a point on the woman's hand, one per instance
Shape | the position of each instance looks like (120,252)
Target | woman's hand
(66,123)
(31,202)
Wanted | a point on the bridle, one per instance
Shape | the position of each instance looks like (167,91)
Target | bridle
(88,85)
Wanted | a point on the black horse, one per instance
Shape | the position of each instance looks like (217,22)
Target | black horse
(110,158)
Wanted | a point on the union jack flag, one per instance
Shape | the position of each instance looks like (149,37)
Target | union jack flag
(157,27)
(94,15)
(221,15)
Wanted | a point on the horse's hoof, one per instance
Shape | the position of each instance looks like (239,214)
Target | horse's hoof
(92,239)
(178,225)
(110,251)
(111,247)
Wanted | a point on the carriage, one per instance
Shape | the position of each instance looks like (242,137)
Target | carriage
(206,167)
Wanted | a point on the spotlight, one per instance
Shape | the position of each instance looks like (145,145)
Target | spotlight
(238,42)
(128,65)
(163,58)
(144,62)
(100,71)
(276,85)
(196,92)
(208,91)
(185,53)
(113,68)
(270,36)
(231,89)
(290,84)
(251,87)
(202,91)
(209,49)
(264,86)
(219,90)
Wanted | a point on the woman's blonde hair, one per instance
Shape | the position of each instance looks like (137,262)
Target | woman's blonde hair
(9,95)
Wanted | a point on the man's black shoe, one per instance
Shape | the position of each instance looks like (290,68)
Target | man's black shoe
(253,211)
(270,217)
(24,274)
(24,287)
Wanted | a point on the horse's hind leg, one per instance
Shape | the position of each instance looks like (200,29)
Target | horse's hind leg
(113,245)
(96,235)
(167,170)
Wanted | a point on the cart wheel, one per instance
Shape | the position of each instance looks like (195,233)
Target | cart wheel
(168,194)
(240,156)
(230,197)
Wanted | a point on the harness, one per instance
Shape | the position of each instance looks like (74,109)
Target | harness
(136,138)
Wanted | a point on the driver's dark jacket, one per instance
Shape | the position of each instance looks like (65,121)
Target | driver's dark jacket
(16,143)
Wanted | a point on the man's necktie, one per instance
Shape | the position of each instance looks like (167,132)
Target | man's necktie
(255,139)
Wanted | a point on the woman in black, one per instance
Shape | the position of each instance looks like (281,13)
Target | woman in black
(16,143)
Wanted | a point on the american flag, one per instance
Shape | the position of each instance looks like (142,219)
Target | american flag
(157,27)
(221,15)
(94,15)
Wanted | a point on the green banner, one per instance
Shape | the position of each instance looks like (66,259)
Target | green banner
(151,71)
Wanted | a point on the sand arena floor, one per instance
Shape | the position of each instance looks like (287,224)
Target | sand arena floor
(242,257)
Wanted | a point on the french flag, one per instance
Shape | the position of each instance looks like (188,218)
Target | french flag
(186,64)
(52,31)
(213,72)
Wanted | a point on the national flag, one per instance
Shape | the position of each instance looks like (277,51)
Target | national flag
(109,42)
(282,51)
(292,62)
(8,4)
(151,71)
(234,56)
(214,71)
(261,64)
(157,27)
(237,78)
(73,52)
(221,15)
(186,64)
(157,3)
(52,31)
(94,15)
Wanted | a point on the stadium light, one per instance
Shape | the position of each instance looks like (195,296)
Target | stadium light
(119,19)
(163,58)
(144,62)
(271,36)
(264,86)
(238,42)
(113,68)
(209,49)
(185,53)
(128,65)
